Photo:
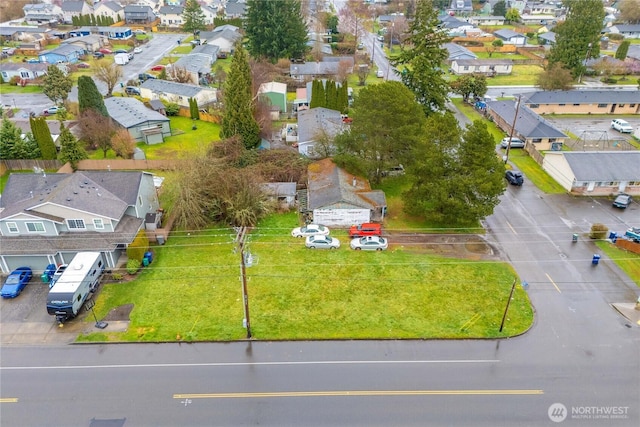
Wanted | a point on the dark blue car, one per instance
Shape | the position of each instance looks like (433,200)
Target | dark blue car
(16,282)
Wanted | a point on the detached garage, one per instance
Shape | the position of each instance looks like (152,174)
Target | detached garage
(143,124)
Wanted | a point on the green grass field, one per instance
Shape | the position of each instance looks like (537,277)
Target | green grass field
(192,291)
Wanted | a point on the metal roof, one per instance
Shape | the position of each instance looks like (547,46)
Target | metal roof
(167,87)
(528,124)
(129,112)
(582,97)
(611,166)
(312,122)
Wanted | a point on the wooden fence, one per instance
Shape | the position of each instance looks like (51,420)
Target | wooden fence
(23,165)
(628,245)
(123,164)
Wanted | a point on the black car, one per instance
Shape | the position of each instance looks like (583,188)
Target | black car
(132,90)
(98,55)
(514,177)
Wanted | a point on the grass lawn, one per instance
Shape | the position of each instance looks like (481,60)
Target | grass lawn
(182,49)
(184,139)
(521,75)
(627,261)
(192,291)
(7,88)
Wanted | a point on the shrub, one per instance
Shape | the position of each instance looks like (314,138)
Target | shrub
(14,81)
(598,231)
(117,276)
(171,109)
(133,265)
(138,247)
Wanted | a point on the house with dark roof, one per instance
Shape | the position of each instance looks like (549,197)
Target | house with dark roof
(197,63)
(458,52)
(142,123)
(67,53)
(329,67)
(339,199)
(583,101)
(529,126)
(595,173)
(135,14)
(22,32)
(109,9)
(73,9)
(489,66)
(91,43)
(235,9)
(48,218)
(511,37)
(315,124)
(178,93)
(22,70)
(461,7)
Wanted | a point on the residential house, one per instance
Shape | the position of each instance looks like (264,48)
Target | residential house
(633,54)
(73,9)
(274,94)
(529,126)
(109,9)
(537,19)
(197,63)
(112,33)
(91,43)
(48,218)
(548,38)
(67,53)
(225,38)
(314,124)
(22,70)
(301,101)
(42,13)
(282,193)
(629,31)
(511,37)
(143,124)
(135,14)
(210,13)
(235,9)
(455,27)
(329,67)
(595,173)
(21,32)
(171,16)
(486,20)
(53,125)
(489,67)
(178,93)
(458,52)
(460,7)
(338,199)
(583,102)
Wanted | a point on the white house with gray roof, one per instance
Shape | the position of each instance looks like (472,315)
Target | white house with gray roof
(42,13)
(511,37)
(583,101)
(71,9)
(596,173)
(109,9)
(22,70)
(48,218)
(142,123)
(178,93)
(171,16)
(314,124)
(489,67)
(225,37)
(458,52)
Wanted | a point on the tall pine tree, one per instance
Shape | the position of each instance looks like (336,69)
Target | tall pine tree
(70,149)
(89,97)
(42,135)
(10,136)
(193,17)
(56,85)
(238,116)
(275,29)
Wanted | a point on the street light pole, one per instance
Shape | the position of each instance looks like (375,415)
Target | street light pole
(241,238)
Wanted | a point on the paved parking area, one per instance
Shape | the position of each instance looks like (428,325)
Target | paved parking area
(595,133)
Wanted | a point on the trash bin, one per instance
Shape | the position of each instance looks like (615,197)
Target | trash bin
(145,261)
(595,259)
(613,236)
(575,237)
(160,238)
(149,255)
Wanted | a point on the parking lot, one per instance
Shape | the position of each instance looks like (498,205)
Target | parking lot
(595,133)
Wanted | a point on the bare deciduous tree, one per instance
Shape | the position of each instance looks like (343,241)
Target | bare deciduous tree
(180,75)
(108,73)
(123,144)
(96,130)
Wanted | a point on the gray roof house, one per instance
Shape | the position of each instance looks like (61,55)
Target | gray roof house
(489,67)
(458,52)
(142,123)
(314,123)
(24,71)
(337,198)
(64,53)
(48,218)
(511,37)
(282,193)
(548,38)
(327,68)
(138,14)
(177,92)
(170,16)
(583,101)
(110,9)
(90,43)
(235,9)
(42,13)
(629,31)
(597,173)
(71,9)
(529,126)
(225,37)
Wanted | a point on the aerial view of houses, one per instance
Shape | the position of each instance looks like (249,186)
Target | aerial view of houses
(450,156)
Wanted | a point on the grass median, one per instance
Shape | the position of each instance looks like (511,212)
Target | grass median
(192,292)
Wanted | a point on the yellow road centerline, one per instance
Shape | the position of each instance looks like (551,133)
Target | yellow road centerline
(8,400)
(356,393)
(553,283)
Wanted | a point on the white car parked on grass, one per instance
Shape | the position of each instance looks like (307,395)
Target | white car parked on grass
(310,230)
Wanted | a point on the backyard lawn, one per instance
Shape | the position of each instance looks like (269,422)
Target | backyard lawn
(192,291)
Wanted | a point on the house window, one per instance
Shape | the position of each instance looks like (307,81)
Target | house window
(576,105)
(534,106)
(35,227)
(466,68)
(12,227)
(602,105)
(140,200)
(5,76)
(536,140)
(24,74)
(98,224)
(632,105)
(562,105)
(76,224)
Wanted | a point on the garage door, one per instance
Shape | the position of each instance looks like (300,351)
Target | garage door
(36,263)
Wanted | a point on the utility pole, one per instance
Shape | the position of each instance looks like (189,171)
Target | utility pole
(513,128)
(241,238)
(504,316)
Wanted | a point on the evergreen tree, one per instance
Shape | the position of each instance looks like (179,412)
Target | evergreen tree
(42,135)
(332,95)
(623,50)
(193,109)
(500,8)
(10,135)
(578,37)
(56,85)
(421,64)
(275,29)
(193,17)
(70,149)
(315,94)
(343,97)
(89,97)
(238,116)
(26,148)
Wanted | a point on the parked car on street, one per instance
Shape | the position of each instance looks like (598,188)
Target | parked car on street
(515,142)
(98,55)
(369,243)
(622,201)
(105,51)
(365,229)
(310,230)
(137,50)
(621,126)
(514,177)
(82,65)
(380,74)
(132,90)
(322,242)
(16,282)
(49,111)
(158,67)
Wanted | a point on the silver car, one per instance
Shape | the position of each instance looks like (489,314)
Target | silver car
(310,230)
(370,243)
(515,142)
(322,242)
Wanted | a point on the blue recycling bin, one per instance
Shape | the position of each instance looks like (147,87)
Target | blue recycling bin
(148,256)
(596,259)
(613,236)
